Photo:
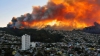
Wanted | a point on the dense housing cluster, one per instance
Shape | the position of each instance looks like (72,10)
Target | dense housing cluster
(74,42)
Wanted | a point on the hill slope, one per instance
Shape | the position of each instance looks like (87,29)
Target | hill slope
(36,35)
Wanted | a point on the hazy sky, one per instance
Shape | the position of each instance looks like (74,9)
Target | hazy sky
(10,8)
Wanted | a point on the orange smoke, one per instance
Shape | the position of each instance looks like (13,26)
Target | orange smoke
(65,14)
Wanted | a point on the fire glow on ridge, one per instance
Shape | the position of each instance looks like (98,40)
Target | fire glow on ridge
(61,14)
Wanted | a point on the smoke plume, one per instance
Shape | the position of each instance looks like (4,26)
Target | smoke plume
(60,14)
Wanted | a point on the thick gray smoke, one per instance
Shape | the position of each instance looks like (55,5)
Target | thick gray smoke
(17,22)
(38,13)
(78,12)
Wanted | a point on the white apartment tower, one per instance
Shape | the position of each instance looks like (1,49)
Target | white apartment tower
(25,42)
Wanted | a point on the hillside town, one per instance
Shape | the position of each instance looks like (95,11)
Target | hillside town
(74,43)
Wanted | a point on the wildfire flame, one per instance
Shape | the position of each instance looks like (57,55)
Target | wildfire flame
(63,14)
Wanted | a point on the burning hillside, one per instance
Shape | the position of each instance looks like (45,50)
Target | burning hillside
(60,14)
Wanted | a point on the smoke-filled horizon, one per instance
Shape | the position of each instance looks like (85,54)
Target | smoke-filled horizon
(60,14)
(11,8)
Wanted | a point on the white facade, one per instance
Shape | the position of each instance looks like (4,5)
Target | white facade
(33,44)
(25,42)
